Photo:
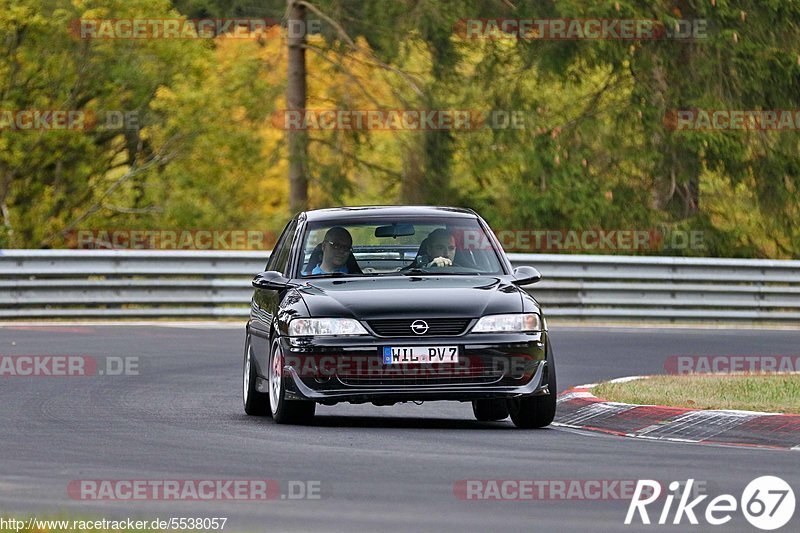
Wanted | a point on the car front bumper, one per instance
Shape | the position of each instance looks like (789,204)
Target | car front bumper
(500,366)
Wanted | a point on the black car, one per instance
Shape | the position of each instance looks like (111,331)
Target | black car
(396,304)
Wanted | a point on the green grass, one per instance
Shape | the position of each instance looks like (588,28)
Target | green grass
(771,393)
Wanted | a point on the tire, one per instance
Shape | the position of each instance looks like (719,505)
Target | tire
(490,410)
(536,411)
(285,411)
(255,403)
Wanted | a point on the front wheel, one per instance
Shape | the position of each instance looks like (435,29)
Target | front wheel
(536,411)
(285,411)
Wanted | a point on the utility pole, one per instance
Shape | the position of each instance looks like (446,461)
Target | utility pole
(296,101)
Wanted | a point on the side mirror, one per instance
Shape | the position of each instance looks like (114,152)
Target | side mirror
(525,275)
(271,280)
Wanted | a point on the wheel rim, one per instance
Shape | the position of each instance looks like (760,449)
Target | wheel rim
(246,372)
(275,378)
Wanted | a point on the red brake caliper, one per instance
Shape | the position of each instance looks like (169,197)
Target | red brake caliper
(277,366)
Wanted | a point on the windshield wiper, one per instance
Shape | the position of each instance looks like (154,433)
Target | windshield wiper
(413,271)
(417,271)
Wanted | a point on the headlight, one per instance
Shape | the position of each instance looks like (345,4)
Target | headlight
(508,323)
(300,327)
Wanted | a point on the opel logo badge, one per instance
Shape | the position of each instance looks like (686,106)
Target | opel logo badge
(420,327)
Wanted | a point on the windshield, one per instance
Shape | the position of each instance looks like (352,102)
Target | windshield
(410,246)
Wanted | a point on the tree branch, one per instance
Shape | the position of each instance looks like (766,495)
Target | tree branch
(358,160)
(344,69)
(99,204)
(343,34)
(133,210)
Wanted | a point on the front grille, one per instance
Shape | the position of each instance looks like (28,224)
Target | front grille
(402,327)
(406,375)
(412,381)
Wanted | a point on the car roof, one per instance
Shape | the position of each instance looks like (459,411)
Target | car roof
(367,211)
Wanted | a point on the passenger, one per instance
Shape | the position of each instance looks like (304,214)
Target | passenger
(336,248)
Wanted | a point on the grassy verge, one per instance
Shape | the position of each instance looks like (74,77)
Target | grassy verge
(771,393)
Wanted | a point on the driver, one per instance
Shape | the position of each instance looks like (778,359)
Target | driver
(441,248)
(336,248)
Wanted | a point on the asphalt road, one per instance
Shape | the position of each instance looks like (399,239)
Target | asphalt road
(378,468)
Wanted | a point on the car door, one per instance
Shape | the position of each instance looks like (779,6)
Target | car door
(264,305)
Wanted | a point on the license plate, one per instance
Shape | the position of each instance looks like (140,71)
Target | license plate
(398,355)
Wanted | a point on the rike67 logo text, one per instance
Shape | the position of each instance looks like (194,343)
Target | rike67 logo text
(767,503)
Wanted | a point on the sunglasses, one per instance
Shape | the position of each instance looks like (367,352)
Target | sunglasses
(340,247)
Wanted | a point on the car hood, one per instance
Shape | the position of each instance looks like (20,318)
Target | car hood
(411,297)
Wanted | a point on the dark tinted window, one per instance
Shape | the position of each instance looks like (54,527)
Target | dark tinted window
(279,258)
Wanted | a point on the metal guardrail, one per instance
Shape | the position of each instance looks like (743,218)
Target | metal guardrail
(133,284)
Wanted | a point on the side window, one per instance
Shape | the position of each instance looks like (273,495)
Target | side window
(280,254)
(285,259)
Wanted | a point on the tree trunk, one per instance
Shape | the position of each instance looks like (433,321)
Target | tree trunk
(296,100)
(412,190)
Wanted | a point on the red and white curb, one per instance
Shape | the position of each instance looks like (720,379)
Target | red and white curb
(578,408)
